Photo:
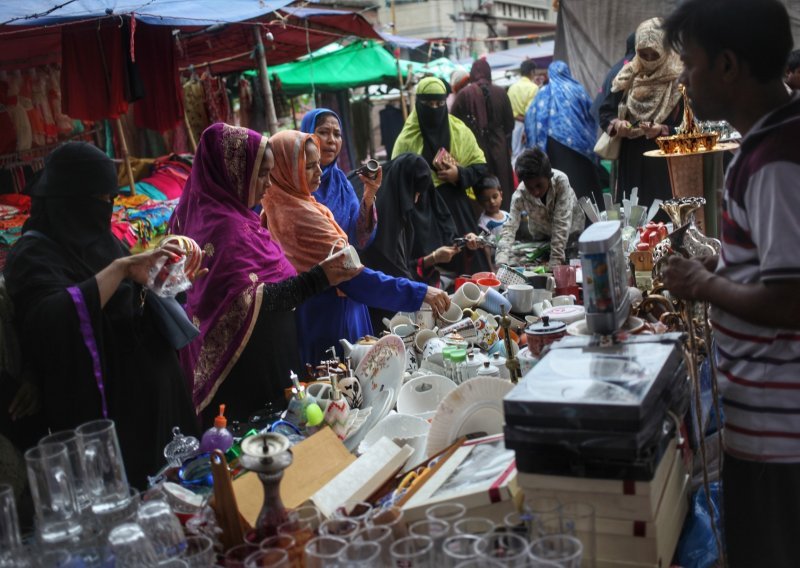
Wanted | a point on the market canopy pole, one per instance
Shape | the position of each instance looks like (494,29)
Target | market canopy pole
(399,73)
(272,120)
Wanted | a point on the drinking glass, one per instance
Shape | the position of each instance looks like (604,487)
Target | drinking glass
(437,531)
(391,517)
(70,440)
(58,517)
(301,532)
(10,541)
(519,523)
(459,548)
(235,557)
(577,519)
(199,552)
(105,473)
(162,527)
(323,551)
(412,552)
(542,510)
(360,555)
(479,563)
(56,558)
(343,528)
(479,526)
(131,547)
(358,512)
(379,535)
(506,548)
(287,543)
(449,512)
(268,558)
(564,550)
(307,513)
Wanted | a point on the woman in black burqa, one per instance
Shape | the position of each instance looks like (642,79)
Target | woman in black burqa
(76,289)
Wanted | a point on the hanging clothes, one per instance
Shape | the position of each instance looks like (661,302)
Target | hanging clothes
(161,108)
(93,71)
(218,106)
(195,106)
(8,134)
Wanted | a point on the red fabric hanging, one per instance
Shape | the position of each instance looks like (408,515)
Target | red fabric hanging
(162,106)
(93,79)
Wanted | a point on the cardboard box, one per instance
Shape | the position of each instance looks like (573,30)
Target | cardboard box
(481,475)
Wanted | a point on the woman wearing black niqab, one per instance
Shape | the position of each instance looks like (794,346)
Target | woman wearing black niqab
(68,267)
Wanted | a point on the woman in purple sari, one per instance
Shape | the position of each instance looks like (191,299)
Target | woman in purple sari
(244,305)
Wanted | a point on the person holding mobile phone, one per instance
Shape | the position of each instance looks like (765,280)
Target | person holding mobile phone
(431,129)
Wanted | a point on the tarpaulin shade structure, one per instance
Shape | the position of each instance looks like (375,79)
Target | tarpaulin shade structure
(295,32)
(360,63)
(541,53)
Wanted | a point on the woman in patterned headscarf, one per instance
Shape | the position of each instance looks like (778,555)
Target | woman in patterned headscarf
(244,306)
(644,103)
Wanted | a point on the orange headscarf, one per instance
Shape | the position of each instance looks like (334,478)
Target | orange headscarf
(305,229)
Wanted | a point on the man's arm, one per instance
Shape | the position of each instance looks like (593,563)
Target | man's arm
(774,303)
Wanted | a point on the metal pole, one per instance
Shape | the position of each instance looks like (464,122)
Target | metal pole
(272,120)
(397,63)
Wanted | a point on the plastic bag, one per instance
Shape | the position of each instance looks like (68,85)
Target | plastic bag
(697,547)
(167,277)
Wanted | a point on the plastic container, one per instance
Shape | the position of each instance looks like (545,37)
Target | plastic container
(458,359)
(472,365)
(218,437)
(500,362)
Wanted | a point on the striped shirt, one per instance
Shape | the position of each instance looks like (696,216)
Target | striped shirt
(760,366)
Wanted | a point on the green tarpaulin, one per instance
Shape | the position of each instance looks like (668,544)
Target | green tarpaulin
(359,64)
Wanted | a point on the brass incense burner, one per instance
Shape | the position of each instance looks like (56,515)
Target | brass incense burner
(690,140)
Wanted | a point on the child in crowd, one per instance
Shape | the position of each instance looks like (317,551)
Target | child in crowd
(490,195)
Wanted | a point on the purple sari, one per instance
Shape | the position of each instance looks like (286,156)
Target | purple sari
(239,253)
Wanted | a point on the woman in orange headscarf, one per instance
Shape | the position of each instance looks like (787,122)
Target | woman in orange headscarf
(308,233)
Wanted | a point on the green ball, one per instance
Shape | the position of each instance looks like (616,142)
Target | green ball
(314,414)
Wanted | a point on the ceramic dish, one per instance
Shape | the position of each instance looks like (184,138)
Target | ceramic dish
(567,314)
(382,369)
(632,325)
(422,395)
(474,406)
(402,429)
(382,407)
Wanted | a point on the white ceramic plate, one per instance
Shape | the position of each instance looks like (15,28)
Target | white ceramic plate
(378,411)
(474,406)
(382,369)
(632,325)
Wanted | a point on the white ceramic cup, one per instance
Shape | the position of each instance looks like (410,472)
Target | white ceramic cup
(521,298)
(540,295)
(467,296)
(396,320)
(424,317)
(433,347)
(451,316)
(423,336)
(563,301)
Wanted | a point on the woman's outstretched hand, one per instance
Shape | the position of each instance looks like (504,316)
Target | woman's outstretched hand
(335,271)
(438,299)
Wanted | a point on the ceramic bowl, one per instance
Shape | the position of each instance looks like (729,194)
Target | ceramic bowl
(421,396)
(402,429)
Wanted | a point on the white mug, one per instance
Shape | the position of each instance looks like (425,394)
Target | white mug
(563,300)
(467,296)
(423,336)
(424,317)
(451,316)
(540,295)
(521,298)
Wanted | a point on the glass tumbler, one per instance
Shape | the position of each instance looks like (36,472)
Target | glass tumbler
(131,547)
(58,517)
(360,555)
(413,552)
(564,550)
(459,548)
(324,551)
(11,550)
(70,440)
(162,527)
(267,558)
(105,473)
(506,548)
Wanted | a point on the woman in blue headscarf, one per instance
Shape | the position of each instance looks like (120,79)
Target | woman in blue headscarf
(358,220)
(560,122)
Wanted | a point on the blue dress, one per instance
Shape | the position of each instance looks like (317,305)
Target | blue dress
(326,318)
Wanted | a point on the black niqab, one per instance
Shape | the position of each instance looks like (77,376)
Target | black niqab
(435,129)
